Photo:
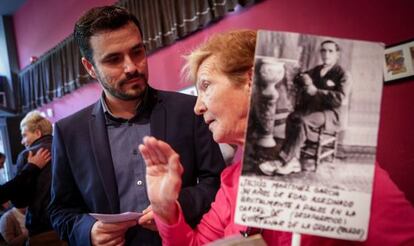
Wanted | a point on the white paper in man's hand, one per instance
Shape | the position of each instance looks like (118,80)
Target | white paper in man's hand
(114,218)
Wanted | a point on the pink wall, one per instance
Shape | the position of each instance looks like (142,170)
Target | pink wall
(73,102)
(40,25)
(384,21)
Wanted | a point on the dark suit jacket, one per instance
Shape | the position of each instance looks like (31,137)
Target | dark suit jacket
(36,193)
(83,172)
(20,184)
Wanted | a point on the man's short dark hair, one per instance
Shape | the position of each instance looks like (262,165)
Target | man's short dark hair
(100,19)
(338,48)
(2,156)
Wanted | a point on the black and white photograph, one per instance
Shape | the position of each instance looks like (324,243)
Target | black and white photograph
(312,134)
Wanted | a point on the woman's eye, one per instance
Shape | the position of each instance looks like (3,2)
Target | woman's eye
(204,85)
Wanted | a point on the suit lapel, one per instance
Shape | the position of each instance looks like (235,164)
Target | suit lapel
(102,153)
(158,116)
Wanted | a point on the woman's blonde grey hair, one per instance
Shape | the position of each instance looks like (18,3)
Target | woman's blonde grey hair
(35,121)
(234,51)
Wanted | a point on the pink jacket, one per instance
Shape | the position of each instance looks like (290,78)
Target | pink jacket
(391,222)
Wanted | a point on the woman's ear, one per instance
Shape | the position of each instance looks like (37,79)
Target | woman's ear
(250,76)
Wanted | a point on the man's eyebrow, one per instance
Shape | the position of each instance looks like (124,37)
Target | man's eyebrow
(140,45)
(110,54)
(137,46)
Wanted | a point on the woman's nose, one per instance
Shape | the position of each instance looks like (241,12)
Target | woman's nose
(199,107)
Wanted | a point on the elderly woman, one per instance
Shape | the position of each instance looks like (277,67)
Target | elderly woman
(222,69)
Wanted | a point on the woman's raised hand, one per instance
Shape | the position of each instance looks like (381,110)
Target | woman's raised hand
(163,175)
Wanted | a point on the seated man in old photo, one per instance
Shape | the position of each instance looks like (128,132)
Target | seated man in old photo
(318,105)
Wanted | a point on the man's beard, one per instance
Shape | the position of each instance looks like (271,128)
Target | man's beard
(123,95)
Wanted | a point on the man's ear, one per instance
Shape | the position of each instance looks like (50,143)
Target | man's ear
(38,133)
(89,67)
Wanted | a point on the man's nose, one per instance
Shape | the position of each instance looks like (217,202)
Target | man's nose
(129,65)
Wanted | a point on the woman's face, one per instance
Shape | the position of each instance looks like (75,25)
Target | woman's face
(223,105)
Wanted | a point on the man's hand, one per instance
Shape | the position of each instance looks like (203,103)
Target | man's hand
(311,90)
(147,219)
(110,233)
(40,159)
(307,80)
(163,176)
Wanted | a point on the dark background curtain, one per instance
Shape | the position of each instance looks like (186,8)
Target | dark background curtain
(165,21)
(60,71)
(55,74)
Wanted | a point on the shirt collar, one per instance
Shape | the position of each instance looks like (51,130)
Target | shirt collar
(40,139)
(141,109)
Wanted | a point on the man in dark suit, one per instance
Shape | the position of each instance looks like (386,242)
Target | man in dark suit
(34,192)
(97,167)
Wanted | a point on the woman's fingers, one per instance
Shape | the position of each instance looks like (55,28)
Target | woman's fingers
(156,150)
(150,143)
